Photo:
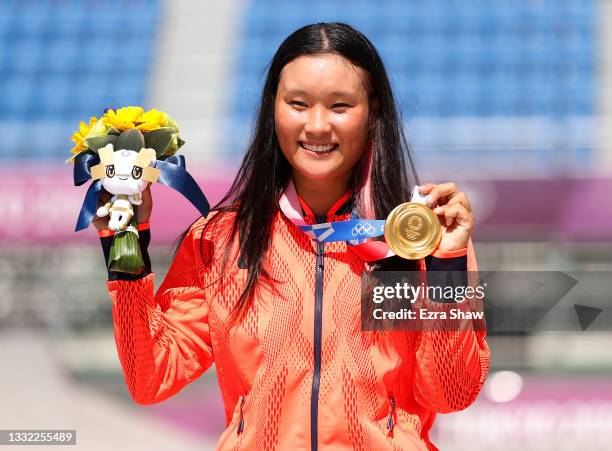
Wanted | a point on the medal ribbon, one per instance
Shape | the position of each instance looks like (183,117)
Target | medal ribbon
(354,231)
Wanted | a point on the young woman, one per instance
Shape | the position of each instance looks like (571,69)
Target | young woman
(277,312)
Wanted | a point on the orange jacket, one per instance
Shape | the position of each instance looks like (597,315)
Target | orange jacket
(286,382)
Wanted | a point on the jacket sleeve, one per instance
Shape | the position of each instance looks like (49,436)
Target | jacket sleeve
(451,365)
(163,341)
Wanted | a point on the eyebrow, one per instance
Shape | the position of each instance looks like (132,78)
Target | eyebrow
(301,92)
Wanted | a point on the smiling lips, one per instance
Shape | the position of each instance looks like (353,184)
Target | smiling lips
(319,148)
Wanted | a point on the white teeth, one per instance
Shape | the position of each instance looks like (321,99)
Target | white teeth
(318,148)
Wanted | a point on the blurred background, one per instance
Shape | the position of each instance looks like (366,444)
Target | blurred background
(511,99)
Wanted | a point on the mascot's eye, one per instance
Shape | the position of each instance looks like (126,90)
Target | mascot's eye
(136,172)
(110,170)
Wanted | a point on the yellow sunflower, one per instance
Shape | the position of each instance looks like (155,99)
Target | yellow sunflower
(152,120)
(83,132)
(124,118)
(95,128)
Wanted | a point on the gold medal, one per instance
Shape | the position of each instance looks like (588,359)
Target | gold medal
(412,230)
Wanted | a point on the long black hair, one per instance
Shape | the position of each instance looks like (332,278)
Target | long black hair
(381,180)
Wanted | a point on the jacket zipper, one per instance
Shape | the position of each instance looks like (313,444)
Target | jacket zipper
(390,418)
(318,330)
(241,421)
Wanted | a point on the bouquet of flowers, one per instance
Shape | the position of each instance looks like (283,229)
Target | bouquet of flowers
(122,152)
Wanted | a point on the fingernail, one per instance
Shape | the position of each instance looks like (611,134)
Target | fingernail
(428,200)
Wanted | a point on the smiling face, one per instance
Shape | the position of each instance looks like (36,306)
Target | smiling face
(321,117)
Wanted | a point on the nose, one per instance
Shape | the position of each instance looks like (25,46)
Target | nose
(318,122)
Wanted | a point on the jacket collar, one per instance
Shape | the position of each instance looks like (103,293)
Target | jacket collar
(341,207)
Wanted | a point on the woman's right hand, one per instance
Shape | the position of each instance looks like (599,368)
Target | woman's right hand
(142,211)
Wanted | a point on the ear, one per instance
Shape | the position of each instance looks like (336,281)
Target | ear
(106,155)
(150,174)
(145,157)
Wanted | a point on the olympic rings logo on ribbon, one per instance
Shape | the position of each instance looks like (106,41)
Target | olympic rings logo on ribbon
(362,229)
(351,230)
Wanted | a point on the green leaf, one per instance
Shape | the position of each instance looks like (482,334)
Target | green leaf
(97,142)
(180,142)
(130,139)
(125,255)
(163,129)
(159,140)
(113,131)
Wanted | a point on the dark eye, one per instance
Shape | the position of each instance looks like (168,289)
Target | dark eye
(298,104)
(136,172)
(340,105)
(110,170)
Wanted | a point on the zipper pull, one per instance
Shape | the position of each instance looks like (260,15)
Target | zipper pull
(390,422)
(320,252)
(241,422)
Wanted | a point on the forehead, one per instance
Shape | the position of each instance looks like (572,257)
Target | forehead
(124,155)
(322,74)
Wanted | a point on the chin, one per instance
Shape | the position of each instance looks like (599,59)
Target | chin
(319,170)
(320,176)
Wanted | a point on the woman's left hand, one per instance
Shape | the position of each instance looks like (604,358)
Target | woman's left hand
(456,214)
